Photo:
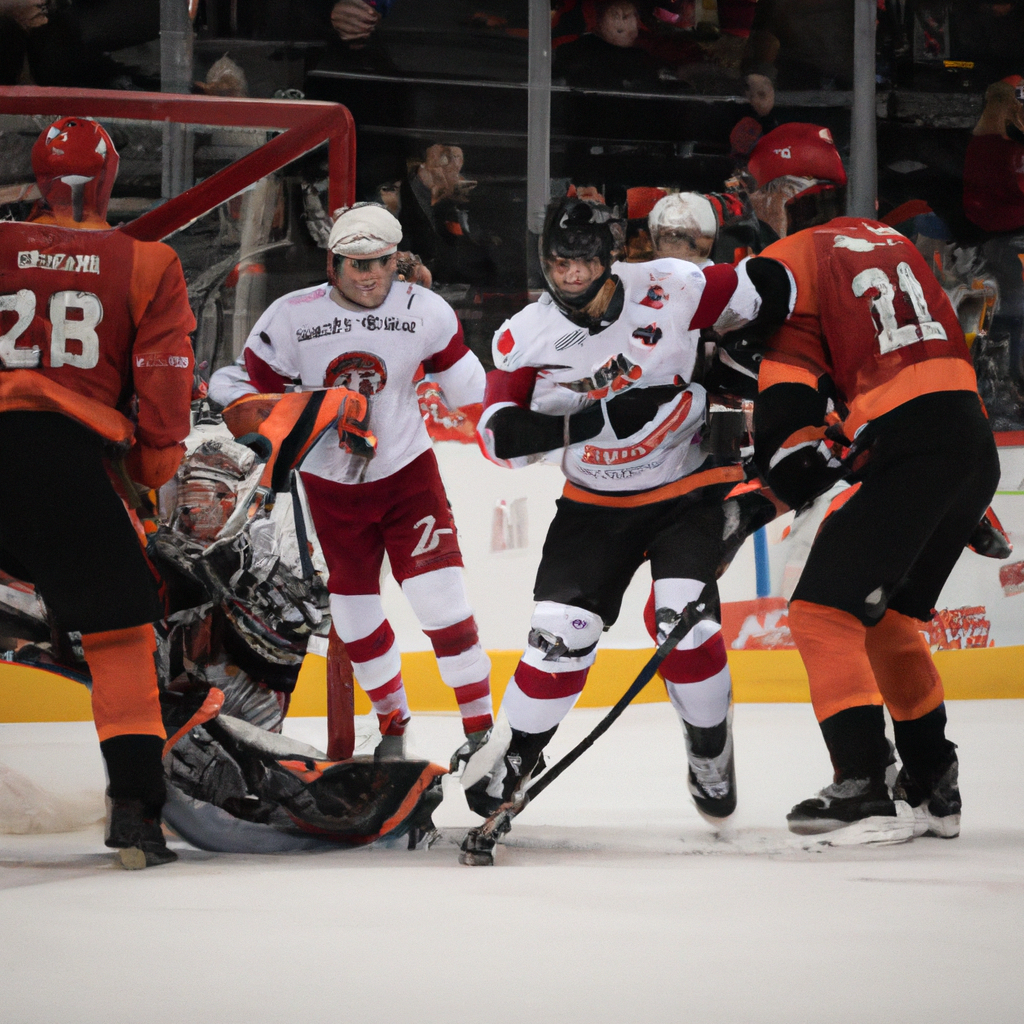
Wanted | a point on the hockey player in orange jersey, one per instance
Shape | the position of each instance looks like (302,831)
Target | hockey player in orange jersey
(95,363)
(872,338)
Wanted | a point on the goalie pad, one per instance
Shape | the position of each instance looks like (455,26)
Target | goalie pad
(234,788)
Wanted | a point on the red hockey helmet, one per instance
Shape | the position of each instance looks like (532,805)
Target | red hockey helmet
(797,150)
(75,164)
(1018,85)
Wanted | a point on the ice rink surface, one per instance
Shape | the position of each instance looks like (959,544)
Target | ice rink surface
(611,901)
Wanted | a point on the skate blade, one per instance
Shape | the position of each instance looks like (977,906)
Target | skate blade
(880,830)
(477,858)
(131,859)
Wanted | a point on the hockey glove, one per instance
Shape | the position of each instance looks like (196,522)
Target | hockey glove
(617,374)
(989,538)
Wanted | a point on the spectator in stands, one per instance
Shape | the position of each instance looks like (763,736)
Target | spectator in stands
(994,167)
(354,21)
(760,117)
(434,214)
(17,19)
(994,201)
(70,44)
(608,55)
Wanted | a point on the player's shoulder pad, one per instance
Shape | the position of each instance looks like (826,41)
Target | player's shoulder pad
(523,336)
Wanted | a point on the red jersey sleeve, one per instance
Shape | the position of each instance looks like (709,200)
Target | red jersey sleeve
(162,362)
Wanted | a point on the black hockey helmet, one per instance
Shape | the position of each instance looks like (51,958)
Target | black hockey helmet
(575,229)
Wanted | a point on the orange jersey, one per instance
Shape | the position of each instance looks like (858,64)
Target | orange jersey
(95,325)
(870,315)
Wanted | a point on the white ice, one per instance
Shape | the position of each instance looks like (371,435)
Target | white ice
(612,901)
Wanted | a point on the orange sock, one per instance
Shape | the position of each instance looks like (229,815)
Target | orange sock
(903,667)
(125,696)
(832,646)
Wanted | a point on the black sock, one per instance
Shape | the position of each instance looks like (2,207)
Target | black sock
(134,769)
(856,742)
(923,746)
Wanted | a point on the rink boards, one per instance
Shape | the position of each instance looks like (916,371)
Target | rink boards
(977,636)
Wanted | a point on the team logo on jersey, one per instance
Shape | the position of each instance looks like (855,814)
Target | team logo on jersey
(570,339)
(153,360)
(83,263)
(345,324)
(646,445)
(655,297)
(506,343)
(649,335)
(358,371)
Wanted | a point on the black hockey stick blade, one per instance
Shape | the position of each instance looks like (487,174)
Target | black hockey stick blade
(478,846)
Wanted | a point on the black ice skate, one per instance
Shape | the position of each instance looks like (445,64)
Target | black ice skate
(712,771)
(936,807)
(854,811)
(521,762)
(134,831)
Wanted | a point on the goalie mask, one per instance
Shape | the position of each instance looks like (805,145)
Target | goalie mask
(576,232)
(800,177)
(75,164)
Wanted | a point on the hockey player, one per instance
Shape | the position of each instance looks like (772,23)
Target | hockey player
(874,337)
(95,362)
(600,369)
(366,331)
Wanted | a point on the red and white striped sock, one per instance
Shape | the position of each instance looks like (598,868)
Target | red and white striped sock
(376,661)
(439,600)
(696,672)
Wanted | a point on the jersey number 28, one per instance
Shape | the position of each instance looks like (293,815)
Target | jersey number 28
(62,330)
(891,335)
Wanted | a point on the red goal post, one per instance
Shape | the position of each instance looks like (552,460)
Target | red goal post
(303,124)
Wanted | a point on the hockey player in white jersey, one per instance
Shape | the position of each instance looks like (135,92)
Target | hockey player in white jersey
(369,332)
(602,368)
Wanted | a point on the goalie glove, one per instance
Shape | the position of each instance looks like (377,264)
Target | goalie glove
(294,422)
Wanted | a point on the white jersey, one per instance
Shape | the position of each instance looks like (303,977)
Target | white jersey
(653,332)
(308,340)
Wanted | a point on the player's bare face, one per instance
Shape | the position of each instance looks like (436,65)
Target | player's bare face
(620,25)
(760,94)
(364,282)
(574,277)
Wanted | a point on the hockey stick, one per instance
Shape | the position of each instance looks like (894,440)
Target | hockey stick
(479,843)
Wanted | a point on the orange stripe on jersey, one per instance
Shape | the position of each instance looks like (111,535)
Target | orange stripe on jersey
(832,645)
(773,371)
(722,475)
(125,697)
(914,380)
(903,667)
(30,390)
(803,436)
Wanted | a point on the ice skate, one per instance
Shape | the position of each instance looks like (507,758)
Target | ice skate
(392,741)
(513,768)
(711,776)
(936,808)
(854,811)
(134,831)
